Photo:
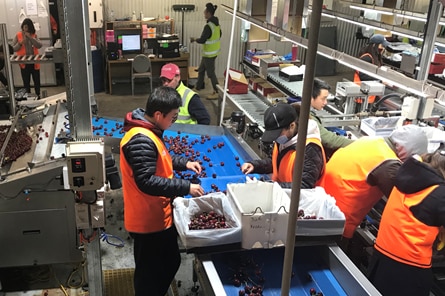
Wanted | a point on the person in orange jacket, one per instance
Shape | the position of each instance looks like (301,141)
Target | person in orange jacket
(411,221)
(281,124)
(149,188)
(360,174)
(26,42)
(371,53)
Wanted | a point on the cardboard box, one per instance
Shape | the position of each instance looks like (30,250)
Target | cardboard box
(253,52)
(266,88)
(262,209)
(253,82)
(439,58)
(436,68)
(256,60)
(237,82)
(292,73)
(276,97)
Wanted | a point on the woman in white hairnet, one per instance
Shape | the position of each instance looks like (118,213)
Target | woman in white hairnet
(360,174)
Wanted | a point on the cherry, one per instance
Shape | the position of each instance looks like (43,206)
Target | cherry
(222,163)
(236,157)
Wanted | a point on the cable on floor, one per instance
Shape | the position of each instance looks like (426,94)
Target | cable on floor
(109,238)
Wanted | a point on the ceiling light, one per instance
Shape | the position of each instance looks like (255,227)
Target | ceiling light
(370,10)
(406,35)
(411,17)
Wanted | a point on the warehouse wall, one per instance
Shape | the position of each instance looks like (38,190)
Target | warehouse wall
(193,24)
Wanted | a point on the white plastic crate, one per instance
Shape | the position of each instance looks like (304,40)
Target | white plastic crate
(262,209)
(379,126)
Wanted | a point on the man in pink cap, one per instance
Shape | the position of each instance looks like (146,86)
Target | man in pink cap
(193,110)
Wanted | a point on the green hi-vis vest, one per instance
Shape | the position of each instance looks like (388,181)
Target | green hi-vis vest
(212,46)
(186,95)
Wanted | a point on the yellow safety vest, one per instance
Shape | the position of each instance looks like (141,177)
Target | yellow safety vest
(186,95)
(212,46)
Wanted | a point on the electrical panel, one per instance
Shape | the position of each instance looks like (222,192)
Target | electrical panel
(85,165)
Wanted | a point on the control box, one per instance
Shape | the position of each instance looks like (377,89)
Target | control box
(348,89)
(372,88)
(85,165)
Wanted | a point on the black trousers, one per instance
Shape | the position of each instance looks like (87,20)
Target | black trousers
(207,64)
(393,278)
(3,79)
(157,260)
(27,72)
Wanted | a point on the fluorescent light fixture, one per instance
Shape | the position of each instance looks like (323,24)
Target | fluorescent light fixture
(360,24)
(406,35)
(411,17)
(370,10)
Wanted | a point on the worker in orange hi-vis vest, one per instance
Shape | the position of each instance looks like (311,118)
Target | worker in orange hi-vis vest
(26,43)
(371,53)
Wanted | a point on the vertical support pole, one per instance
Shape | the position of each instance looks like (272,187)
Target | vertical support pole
(301,144)
(8,69)
(75,35)
(94,265)
(434,12)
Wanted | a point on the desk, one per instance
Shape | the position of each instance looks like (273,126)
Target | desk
(120,70)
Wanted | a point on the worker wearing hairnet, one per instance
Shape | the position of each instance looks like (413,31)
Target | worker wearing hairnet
(413,218)
(360,174)
(281,124)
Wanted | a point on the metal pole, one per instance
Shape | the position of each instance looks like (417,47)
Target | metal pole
(301,144)
(434,12)
(226,81)
(8,69)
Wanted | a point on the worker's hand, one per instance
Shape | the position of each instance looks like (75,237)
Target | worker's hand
(194,166)
(192,39)
(247,168)
(196,190)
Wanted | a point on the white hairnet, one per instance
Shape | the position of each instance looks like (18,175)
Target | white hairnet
(409,140)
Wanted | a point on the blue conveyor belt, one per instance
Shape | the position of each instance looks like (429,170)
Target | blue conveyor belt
(264,267)
(223,164)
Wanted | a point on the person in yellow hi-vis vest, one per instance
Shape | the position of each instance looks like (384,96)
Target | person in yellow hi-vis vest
(149,188)
(211,46)
(192,110)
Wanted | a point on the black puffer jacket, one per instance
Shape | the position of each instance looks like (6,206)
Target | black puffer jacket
(313,166)
(141,154)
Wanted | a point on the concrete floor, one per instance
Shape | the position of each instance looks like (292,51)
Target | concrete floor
(116,106)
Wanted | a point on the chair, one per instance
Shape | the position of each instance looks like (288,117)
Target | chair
(141,68)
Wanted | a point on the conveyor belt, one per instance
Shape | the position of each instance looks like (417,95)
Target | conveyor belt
(324,268)
(252,106)
(293,88)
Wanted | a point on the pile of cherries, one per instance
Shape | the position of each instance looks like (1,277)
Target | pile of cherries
(248,277)
(302,215)
(19,143)
(210,220)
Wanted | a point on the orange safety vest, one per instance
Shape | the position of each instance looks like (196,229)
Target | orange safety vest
(285,172)
(22,50)
(145,213)
(346,174)
(357,80)
(401,236)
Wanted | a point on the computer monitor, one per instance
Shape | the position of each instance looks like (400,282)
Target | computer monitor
(131,43)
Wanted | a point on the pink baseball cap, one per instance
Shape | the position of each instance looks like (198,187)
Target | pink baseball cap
(169,71)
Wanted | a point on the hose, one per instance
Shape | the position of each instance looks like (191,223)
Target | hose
(376,105)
